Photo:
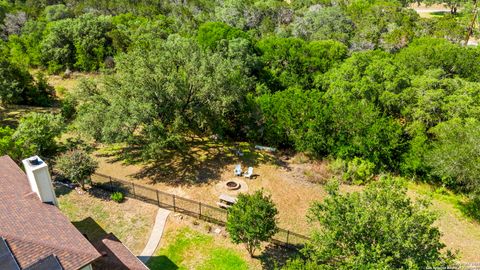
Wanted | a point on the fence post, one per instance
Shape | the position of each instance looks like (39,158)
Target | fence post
(174,207)
(133,189)
(199,210)
(288,234)
(111,183)
(158,200)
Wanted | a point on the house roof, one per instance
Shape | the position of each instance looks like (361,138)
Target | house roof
(34,230)
(116,256)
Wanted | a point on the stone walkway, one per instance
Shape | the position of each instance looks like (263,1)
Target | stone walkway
(155,236)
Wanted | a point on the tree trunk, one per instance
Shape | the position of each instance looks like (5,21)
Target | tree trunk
(250,249)
(472,23)
(453,10)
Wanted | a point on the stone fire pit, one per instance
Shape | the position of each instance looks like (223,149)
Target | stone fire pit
(232,185)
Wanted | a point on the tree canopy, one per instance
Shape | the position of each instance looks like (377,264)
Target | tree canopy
(359,80)
(252,220)
(377,228)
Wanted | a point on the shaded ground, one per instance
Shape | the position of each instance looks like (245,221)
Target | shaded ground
(10,115)
(131,221)
(202,161)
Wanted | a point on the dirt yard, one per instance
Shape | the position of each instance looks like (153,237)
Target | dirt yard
(293,182)
(290,184)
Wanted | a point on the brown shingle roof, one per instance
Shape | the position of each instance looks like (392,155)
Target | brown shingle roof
(116,256)
(34,229)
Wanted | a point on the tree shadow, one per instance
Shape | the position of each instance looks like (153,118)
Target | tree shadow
(10,115)
(470,208)
(194,165)
(90,229)
(61,188)
(103,192)
(200,161)
(276,256)
(161,263)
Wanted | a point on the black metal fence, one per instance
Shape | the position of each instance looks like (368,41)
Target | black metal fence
(183,205)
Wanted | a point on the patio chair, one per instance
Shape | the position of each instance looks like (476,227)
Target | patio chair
(238,170)
(249,172)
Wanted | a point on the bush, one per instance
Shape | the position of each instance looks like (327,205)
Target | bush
(68,109)
(117,197)
(39,130)
(16,149)
(77,166)
(357,171)
(377,228)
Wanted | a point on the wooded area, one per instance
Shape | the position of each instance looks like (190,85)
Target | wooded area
(350,79)
(367,83)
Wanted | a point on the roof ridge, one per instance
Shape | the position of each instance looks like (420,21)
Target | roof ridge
(7,236)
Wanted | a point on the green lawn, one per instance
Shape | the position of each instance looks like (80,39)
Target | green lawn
(190,249)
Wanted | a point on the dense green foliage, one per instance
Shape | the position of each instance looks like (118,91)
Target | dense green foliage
(78,166)
(455,154)
(251,220)
(17,149)
(17,86)
(38,131)
(199,89)
(361,80)
(366,83)
(117,197)
(378,228)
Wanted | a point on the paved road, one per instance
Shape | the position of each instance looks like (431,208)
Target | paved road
(155,236)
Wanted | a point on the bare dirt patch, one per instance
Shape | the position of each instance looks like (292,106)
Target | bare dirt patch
(65,84)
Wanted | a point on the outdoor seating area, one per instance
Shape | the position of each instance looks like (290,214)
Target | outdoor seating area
(238,171)
(226,201)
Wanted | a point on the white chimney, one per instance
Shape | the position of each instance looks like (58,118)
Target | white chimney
(39,179)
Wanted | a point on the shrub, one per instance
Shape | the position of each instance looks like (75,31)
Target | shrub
(357,171)
(377,228)
(16,149)
(68,109)
(117,197)
(77,166)
(39,130)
